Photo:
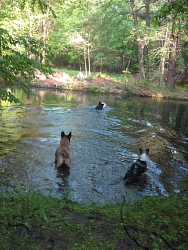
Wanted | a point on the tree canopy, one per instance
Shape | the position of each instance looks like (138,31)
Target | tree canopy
(21,54)
(143,38)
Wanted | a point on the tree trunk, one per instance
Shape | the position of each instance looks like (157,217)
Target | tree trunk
(172,59)
(141,45)
(45,31)
(85,62)
(0,47)
(184,79)
(44,35)
(147,7)
(162,63)
(89,61)
(140,42)
(101,66)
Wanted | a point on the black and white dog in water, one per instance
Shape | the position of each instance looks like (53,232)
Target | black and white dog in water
(138,167)
(101,105)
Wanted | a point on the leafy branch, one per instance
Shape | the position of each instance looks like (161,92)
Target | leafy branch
(17,68)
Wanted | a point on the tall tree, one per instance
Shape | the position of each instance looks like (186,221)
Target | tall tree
(175,11)
(173,56)
(17,65)
(164,47)
(140,41)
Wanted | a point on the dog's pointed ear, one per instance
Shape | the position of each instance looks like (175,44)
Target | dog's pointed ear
(100,103)
(147,150)
(69,135)
(141,150)
(62,134)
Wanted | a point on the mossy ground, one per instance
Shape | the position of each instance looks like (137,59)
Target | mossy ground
(33,221)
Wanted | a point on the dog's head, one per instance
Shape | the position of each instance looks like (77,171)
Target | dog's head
(144,154)
(63,135)
(100,105)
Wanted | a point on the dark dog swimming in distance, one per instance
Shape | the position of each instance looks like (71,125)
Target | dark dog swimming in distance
(138,167)
(62,154)
(100,106)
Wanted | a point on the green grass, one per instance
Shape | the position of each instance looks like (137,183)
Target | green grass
(33,221)
(97,89)
(75,73)
(68,71)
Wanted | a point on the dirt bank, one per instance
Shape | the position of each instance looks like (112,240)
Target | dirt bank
(105,84)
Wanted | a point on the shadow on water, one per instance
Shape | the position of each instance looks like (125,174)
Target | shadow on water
(103,145)
(63,173)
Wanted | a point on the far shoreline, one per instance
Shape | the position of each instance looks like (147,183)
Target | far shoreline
(61,81)
(106,85)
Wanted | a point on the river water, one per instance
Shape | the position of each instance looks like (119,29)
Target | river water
(103,145)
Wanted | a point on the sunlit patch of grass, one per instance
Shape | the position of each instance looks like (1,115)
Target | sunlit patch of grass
(68,71)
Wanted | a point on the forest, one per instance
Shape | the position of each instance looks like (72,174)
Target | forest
(146,38)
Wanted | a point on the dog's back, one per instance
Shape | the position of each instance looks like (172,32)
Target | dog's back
(62,154)
(100,106)
(138,167)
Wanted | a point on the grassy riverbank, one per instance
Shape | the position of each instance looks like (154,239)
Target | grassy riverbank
(33,221)
(121,85)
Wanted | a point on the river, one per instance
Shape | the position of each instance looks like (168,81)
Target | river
(104,144)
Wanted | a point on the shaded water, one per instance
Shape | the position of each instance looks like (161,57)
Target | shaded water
(103,145)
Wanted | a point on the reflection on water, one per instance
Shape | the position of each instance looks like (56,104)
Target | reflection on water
(103,145)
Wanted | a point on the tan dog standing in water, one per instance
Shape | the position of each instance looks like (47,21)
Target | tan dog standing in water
(62,154)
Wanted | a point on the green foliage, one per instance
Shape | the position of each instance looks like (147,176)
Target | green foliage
(173,10)
(22,29)
(100,74)
(90,76)
(106,27)
(16,68)
(37,4)
(6,94)
(186,86)
(94,88)
(127,75)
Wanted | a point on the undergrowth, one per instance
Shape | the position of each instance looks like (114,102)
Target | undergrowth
(33,221)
